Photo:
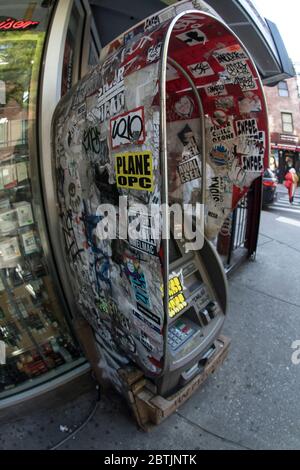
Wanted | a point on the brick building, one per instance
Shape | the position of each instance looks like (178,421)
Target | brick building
(284,120)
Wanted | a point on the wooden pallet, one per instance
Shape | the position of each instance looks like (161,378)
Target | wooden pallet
(151,409)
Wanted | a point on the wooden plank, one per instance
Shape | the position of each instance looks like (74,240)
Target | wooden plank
(154,409)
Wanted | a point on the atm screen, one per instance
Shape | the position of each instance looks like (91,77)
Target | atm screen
(174,252)
(193,282)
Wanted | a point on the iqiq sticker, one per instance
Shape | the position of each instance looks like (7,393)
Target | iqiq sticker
(193,37)
(128,128)
(189,170)
(201,69)
(134,170)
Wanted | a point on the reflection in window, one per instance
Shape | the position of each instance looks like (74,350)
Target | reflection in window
(283,89)
(33,327)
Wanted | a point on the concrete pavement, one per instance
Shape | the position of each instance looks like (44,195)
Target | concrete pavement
(250,403)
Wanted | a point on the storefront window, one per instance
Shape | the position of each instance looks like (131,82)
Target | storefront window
(35,339)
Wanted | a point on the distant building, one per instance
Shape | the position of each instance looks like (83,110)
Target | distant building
(284,121)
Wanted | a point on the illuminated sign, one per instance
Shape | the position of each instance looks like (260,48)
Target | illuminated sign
(177,300)
(11,24)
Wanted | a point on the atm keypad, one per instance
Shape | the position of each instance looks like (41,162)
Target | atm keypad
(178,334)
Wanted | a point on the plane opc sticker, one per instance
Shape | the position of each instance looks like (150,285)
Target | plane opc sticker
(134,170)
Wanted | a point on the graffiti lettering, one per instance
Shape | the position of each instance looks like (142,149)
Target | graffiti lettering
(189,170)
(151,22)
(91,140)
(220,134)
(247,127)
(128,128)
(216,189)
(237,69)
(253,163)
(216,90)
(201,69)
(246,83)
(227,57)
(112,107)
(73,251)
(154,52)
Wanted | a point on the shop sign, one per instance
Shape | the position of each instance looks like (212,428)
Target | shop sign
(11,24)
(289,138)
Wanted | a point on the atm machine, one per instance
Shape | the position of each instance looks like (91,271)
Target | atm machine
(174,116)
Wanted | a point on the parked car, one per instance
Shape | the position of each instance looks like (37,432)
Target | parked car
(270,183)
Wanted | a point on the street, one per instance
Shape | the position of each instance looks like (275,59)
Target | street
(284,208)
(252,400)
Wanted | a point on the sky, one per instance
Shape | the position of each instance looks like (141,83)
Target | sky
(286,15)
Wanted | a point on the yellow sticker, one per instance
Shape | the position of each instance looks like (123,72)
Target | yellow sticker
(134,170)
(177,301)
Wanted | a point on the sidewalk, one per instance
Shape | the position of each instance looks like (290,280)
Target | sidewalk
(251,402)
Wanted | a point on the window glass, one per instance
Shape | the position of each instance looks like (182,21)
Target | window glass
(283,89)
(33,330)
(287,122)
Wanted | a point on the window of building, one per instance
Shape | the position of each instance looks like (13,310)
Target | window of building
(287,122)
(283,89)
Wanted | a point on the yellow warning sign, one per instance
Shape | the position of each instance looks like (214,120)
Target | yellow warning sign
(134,170)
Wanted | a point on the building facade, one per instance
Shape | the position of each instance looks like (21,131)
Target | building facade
(284,121)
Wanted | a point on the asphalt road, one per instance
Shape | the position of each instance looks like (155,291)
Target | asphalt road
(283,207)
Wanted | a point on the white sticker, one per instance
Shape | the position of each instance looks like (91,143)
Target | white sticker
(229,54)
(154,52)
(201,69)
(128,128)
(217,89)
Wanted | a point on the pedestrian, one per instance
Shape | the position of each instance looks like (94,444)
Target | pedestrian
(291,182)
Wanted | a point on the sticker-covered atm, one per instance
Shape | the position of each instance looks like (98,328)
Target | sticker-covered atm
(174,116)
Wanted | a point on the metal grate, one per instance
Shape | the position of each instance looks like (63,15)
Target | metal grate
(240,223)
